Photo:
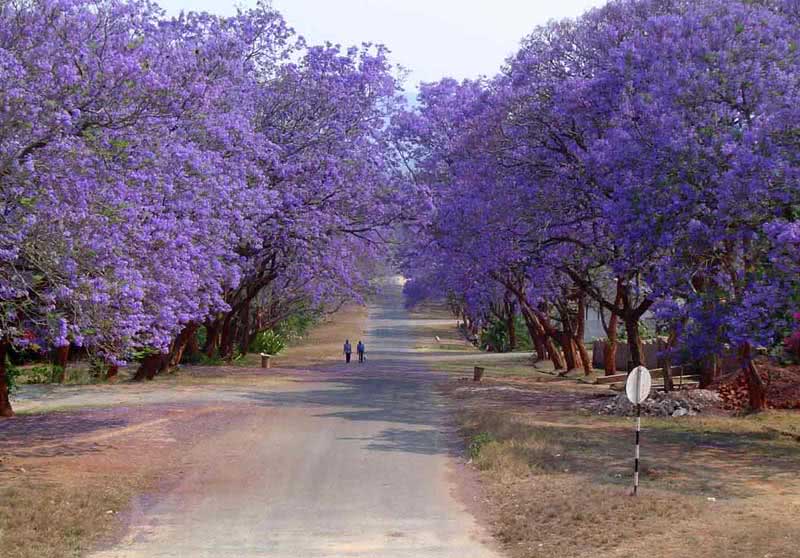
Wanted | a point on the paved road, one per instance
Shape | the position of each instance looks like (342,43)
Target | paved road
(354,461)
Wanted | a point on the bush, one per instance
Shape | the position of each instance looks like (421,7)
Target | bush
(477,444)
(524,341)
(270,342)
(296,325)
(494,337)
(12,373)
(43,374)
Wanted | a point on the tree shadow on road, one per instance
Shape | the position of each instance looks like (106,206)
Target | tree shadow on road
(409,402)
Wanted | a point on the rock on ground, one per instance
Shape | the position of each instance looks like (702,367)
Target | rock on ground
(661,404)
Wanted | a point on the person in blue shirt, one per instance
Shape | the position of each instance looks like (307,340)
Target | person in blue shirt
(347,350)
(360,349)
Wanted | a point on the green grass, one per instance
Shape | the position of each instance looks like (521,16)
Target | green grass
(78,373)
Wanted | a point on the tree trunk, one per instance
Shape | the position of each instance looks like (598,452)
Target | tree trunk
(580,333)
(610,356)
(211,346)
(163,365)
(669,384)
(584,354)
(251,337)
(569,350)
(539,343)
(182,341)
(634,340)
(554,354)
(60,359)
(756,390)
(512,332)
(472,327)
(567,336)
(148,367)
(244,329)
(710,371)
(510,312)
(5,403)
(112,371)
(226,337)
(536,328)
(192,345)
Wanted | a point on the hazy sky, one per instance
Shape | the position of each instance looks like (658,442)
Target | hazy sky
(430,38)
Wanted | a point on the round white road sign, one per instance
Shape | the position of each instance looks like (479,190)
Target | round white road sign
(638,385)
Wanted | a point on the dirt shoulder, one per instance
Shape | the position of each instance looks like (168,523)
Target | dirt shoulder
(65,475)
(76,456)
(555,477)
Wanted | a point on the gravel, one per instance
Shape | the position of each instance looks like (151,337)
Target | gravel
(660,404)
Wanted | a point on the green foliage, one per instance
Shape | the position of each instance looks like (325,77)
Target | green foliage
(43,374)
(270,342)
(273,341)
(12,373)
(203,359)
(197,357)
(477,443)
(141,354)
(524,341)
(296,325)
(494,336)
(202,335)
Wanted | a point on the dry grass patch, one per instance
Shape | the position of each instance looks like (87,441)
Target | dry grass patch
(46,519)
(546,515)
(505,366)
(61,473)
(543,501)
(557,478)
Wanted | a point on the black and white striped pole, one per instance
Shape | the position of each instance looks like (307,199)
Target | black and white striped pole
(636,455)
(637,388)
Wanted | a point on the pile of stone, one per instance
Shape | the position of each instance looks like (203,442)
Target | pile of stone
(660,404)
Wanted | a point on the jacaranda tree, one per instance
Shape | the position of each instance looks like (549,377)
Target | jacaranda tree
(158,174)
(641,158)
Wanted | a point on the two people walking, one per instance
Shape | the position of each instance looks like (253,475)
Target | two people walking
(348,350)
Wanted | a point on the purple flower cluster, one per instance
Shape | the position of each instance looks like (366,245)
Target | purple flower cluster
(643,157)
(158,174)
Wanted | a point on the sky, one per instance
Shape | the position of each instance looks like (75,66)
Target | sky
(431,39)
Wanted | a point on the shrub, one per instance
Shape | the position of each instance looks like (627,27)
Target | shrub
(12,373)
(494,337)
(43,374)
(477,444)
(296,325)
(270,342)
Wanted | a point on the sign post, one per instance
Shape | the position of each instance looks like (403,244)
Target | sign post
(637,388)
